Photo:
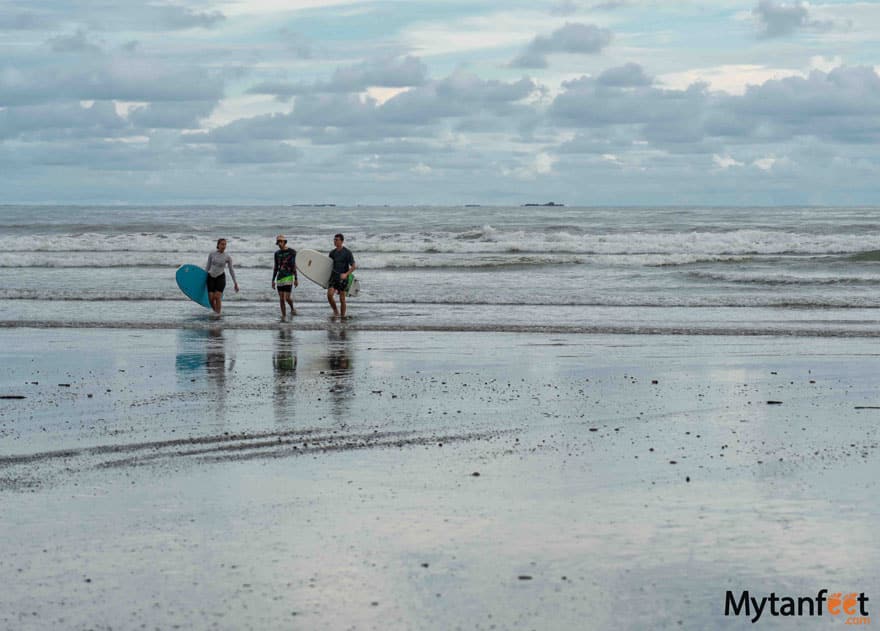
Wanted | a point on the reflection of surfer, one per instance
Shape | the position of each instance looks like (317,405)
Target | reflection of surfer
(284,366)
(284,359)
(218,261)
(284,275)
(343,265)
(340,370)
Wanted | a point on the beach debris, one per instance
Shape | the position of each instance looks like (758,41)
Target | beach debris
(475,474)
(12,396)
(654,382)
(524,577)
(63,385)
(774,402)
(673,462)
(867,407)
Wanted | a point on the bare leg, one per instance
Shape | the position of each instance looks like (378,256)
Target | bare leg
(332,300)
(290,302)
(342,302)
(216,300)
(281,303)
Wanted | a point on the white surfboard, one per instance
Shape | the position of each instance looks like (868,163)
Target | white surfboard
(317,267)
(314,266)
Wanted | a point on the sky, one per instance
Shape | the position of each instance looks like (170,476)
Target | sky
(582,102)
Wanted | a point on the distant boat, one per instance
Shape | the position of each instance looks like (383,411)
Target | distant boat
(547,204)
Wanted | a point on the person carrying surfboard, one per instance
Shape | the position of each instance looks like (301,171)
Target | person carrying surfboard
(218,261)
(285,275)
(343,265)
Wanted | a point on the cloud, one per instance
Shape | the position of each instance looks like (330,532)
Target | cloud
(24,21)
(61,120)
(171,115)
(841,106)
(778,19)
(258,152)
(75,43)
(124,78)
(339,118)
(175,17)
(575,38)
(297,43)
(628,75)
(389,72)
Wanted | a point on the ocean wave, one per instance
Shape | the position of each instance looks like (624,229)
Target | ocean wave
(785,279)
(859,247)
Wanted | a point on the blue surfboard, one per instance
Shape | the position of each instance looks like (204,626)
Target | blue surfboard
(192,281)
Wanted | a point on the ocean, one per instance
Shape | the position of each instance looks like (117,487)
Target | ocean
(729,271)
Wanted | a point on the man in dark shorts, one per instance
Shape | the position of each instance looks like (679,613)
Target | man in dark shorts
(284,275)
(216,266)
(343,265)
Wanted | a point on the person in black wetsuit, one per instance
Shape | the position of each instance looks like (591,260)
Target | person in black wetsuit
(343,265)
(284,275)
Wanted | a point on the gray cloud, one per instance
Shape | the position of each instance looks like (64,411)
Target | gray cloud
(168,115)
(612,5)
(24,20)
(297,43)
(389,72)
(259,152)
(628,75)
(777,19)
(60,120)
(78,42)
(126,78)
(842,106)
(564,7)
(174,17)
(335,118)
(585,39)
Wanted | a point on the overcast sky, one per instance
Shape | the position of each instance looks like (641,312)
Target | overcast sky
(587,102)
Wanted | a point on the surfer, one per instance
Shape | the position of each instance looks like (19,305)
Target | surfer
(218,261)
(343,265)
(285,275)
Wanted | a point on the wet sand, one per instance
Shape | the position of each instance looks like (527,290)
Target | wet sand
(343,478)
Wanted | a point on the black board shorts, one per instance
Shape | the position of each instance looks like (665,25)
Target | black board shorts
(217,283)
(336,282)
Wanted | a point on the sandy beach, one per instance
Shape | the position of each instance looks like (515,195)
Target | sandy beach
(340,478)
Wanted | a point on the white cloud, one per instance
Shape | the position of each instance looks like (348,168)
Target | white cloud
(725,161)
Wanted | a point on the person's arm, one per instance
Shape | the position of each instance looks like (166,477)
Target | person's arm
(275,271)
(351,265)
(208,264)
(231,272)
(295,275)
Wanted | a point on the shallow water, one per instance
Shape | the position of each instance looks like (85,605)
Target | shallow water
(688,270)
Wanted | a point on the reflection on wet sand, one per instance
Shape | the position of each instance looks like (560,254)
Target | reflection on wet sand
(284,369)
(340,369)
(205,351)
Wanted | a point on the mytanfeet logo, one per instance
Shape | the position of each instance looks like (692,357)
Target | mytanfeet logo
(852,607)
